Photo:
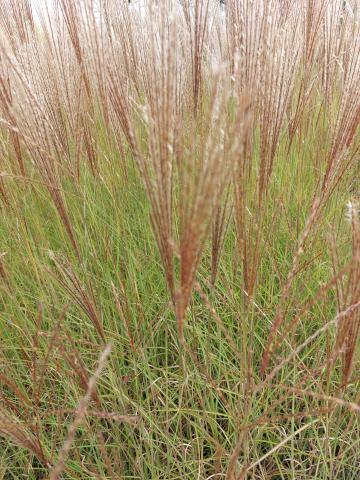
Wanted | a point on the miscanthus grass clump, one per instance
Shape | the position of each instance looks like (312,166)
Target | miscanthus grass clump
(179,239)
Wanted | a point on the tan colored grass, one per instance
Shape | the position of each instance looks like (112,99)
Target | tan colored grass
(209,111)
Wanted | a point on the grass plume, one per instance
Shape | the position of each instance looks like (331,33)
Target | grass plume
(179,179)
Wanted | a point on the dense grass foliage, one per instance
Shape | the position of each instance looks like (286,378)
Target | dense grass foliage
(179,240)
